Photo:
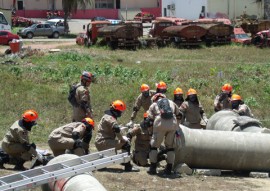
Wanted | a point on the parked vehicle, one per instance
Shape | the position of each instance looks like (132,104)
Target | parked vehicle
(91,33)
(41,30)
(255,26)
(240,37)
(144,17)
(120,36)
(185,35)
(3,23)
(262,39)
(6,37)
(98,19)
(219,30)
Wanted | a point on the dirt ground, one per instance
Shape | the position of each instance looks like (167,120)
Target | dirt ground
(114,179)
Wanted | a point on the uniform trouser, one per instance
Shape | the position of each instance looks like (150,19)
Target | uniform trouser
(78,114)
(156,141)
(140,157)
(109,144)
(17,151)
(59,146)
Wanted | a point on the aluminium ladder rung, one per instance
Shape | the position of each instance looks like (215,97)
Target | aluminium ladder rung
(50,173)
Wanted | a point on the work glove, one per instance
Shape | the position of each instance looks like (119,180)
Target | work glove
(116,128)
(126,139)
(77,144)
(33,145)
(148,123)
(130,124)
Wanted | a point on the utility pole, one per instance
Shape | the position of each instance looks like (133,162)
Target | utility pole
(126,9)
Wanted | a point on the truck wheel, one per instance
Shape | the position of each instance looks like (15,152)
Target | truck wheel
(86,43)
(55,35)
(112,45)
(29,35)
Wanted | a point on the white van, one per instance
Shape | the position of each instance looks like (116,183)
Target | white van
(3,23)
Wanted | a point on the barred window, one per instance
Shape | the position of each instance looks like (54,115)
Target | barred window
(104,4)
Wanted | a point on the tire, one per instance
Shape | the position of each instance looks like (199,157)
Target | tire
(55,35)
(29,35)
(86,43)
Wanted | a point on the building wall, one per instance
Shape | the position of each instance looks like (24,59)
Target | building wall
(191,9)
(236,8)
(136,4)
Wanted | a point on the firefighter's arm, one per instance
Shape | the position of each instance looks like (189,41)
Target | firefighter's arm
(85,102)
(136,107)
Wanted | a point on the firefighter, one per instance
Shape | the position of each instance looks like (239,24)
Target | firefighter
(161,87)
(82,95)
(222,101)
(239,106)
(143,100)
(72,138)
(143,135)
(108,130)
(192,111)
(164,115)
(178,96)
(16,141)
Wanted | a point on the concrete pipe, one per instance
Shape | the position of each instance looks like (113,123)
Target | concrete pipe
(227,120)
(223,150)
(85,182)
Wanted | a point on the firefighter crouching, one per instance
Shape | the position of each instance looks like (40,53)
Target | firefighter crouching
(143,135)
(72,138)
(108,130)
(16,141)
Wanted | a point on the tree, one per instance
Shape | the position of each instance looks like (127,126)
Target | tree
(70,6)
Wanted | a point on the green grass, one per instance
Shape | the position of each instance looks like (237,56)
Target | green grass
(42,83)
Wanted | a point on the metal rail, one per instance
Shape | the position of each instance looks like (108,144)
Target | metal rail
(45,174)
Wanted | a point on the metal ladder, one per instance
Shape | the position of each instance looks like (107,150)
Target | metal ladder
(45,174)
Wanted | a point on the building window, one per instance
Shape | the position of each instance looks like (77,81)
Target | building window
(20,5)
(104,4)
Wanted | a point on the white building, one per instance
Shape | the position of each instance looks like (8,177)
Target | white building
(191,9)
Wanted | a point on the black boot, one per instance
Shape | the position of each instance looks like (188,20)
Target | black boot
(153,168)
(168,169)
(19,165)
(130,168)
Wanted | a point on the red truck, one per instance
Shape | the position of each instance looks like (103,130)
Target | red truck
(240,37)
(91,34)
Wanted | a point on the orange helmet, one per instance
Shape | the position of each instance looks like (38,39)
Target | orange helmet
(236,97)
(86,76)
(227,87)
(118,105)
(145,115)
(178,91)
(144,87)
(30,116)
(191,92)
(161,85)
(89,121)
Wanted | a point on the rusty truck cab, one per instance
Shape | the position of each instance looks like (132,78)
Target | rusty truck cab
(92,28)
